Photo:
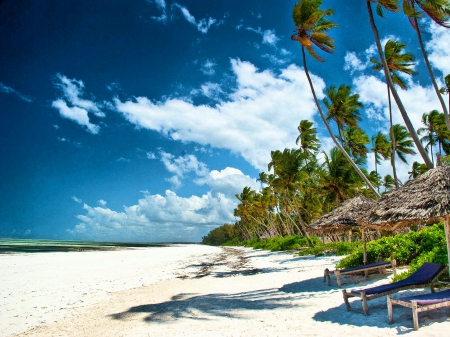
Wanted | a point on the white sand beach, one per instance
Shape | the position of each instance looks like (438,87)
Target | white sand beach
(190,290)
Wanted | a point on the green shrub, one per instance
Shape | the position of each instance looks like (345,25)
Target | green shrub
(278,243)
(332,248)
(414,248)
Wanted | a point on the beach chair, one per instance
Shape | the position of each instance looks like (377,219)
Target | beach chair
(380,265)
(419,303)
(425,276)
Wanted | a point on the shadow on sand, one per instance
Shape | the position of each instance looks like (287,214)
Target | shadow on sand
(204,306)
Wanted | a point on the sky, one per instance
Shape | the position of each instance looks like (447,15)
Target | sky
(140,120)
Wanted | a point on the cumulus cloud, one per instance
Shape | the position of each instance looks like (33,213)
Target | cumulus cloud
(72,106)
(260,115)
(438,48)
(9,90)
(169,217)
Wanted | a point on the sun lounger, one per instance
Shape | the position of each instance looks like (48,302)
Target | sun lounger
(425,276)
(420,303)
(380,265)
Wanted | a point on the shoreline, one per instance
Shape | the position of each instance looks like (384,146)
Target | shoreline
(191,290)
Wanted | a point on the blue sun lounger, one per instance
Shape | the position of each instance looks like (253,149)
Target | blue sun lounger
(425,276)
(380,265)
(419,303)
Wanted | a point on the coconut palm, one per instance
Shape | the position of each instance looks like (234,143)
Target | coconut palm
(392,5)
(439,12)
(404,146)
(388,182)
(431,122)
(338,179)
(309,143)
(380,149)
(311,27)
(417,170)
(398,62)
(355,140)
(342,107)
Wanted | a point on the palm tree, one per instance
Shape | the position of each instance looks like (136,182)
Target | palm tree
(392,5)
(397,62)
(309,143)
(342,107)
(380,148)
(404,146)
(388,182)
(311,27)
(431,122)
(438,11)
(287,169)
(417,170)
(355,140)
(338,178)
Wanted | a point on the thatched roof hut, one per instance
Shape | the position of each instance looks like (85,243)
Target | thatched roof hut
(342,218)
(425,199)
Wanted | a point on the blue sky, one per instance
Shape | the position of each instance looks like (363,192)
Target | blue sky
(140,120)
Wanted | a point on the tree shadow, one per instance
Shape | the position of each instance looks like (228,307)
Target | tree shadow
(202,307)
(311,285)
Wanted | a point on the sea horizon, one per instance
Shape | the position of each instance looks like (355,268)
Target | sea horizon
(16,245)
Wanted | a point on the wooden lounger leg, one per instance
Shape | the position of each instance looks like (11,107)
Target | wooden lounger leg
(364,303)
(326,276)
(344,293)
(415,315)
(394,266)
(390,313)
(337,273)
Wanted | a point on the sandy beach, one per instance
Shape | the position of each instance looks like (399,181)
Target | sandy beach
(190,290)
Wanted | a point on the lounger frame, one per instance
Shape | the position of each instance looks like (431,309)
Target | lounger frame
(382,269)
(416,308)
(364,298)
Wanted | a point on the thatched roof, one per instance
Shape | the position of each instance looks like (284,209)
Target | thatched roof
(425,199)
(343,217)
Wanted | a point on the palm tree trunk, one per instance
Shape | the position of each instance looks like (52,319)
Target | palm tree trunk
(393,144)
(358,170)
(397,99)
(433,80)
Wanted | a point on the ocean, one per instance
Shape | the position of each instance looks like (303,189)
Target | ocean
(11,246)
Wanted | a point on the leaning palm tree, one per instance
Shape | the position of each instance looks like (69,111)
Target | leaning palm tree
(404,146)
(311,27)
(392,5)
(380,149)
(397,62)
(342,107)
(439,12)
(309,143)
(431,122)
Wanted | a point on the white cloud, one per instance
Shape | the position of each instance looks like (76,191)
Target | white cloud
(79,108)
(438,48)
(161,4)
(261,115)
(9,90)
(202,25)
(169,217)
(101,202)
(151,155)
(74,198)
(268,36)
(207,67)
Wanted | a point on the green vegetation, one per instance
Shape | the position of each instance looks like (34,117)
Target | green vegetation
(331,248)
(414,248)
(220,235)
(287,243)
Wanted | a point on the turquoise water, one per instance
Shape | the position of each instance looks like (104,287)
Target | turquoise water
(10,246)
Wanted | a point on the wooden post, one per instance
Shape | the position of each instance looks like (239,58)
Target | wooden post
(447,237)
(363,233)
(390,313)
(415,315)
